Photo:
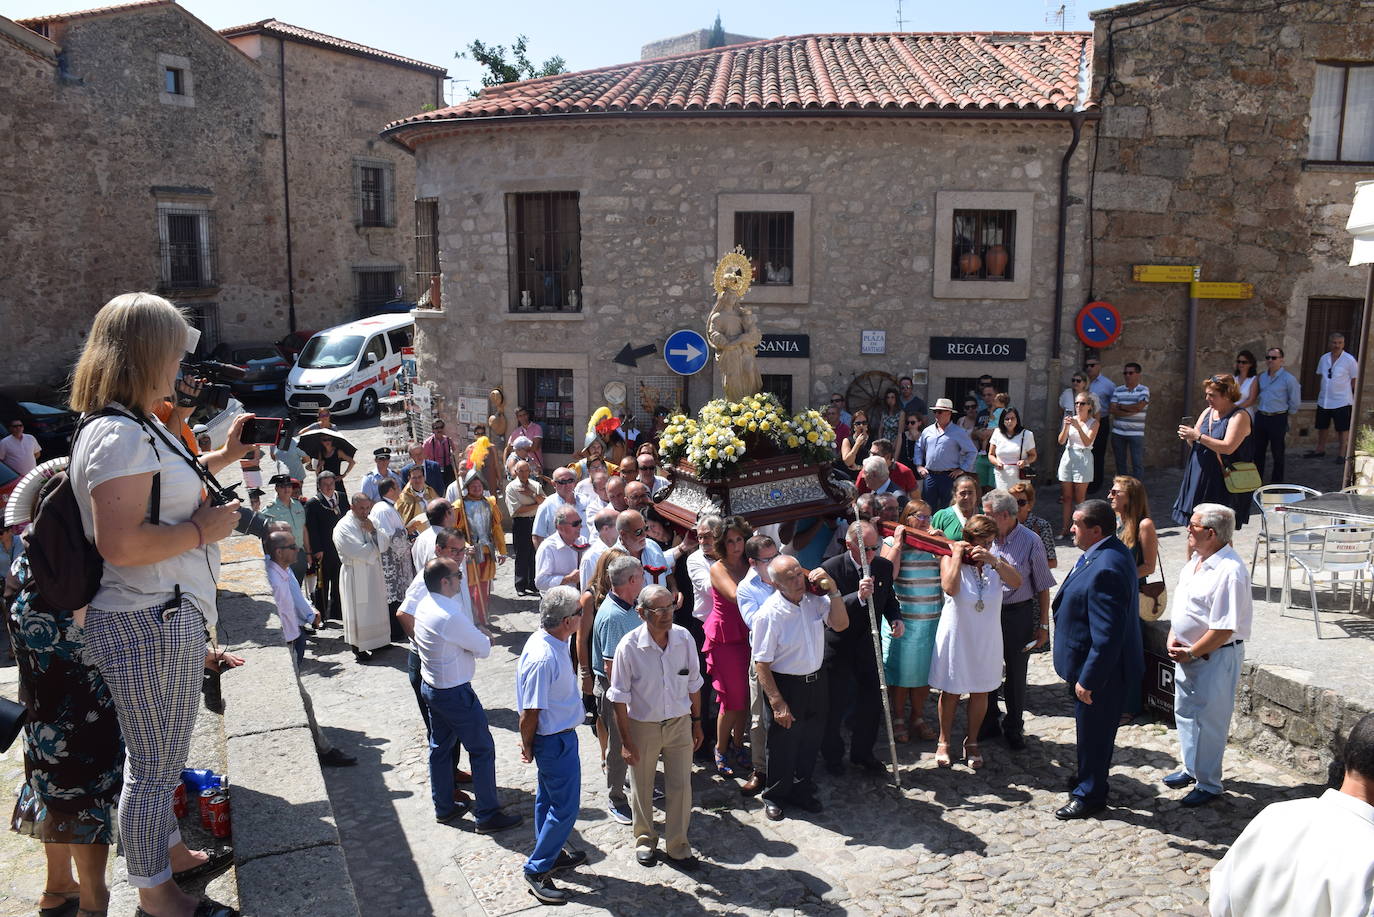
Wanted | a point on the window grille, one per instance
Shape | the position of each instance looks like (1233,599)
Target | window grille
(544,241)
(984,245)
(427,249)
(767,239)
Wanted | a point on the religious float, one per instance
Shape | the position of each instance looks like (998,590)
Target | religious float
(744,454)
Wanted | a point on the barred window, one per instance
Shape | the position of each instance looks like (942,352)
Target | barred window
(185,248)
(767,240)
(375,287)
(374,192)
(544,245)
(427,251)
(983,246)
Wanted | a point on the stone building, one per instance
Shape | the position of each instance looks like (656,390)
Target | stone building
(1230,140)
(145,152)
(900,195)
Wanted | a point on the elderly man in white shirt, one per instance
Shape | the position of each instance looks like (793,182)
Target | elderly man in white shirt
(557,562)
(755,589)
(295,611)
(564,494)
(439,513)
(1313,857)
(631,528)
(1211,615)
(788,644)
(656,689)
(449,645)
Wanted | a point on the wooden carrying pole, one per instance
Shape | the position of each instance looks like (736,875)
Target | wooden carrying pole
(878,650)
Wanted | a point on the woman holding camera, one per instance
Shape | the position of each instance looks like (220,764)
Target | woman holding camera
(141,503)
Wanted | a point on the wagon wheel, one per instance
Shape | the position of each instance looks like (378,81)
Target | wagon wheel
(865,392)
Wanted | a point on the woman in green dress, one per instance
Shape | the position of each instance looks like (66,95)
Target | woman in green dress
(906,659)
(950,520)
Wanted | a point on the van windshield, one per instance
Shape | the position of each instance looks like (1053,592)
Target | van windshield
(330,351)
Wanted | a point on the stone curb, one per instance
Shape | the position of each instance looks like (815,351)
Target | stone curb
(287,854)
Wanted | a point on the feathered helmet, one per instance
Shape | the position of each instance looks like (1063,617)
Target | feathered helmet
(481,448)
(601,425)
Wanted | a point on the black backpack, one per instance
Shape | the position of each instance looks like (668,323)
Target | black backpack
(64,567)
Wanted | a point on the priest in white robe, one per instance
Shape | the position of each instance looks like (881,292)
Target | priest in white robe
(362,587)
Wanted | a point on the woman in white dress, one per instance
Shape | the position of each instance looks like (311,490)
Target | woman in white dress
(1076,435)
(1011,448)
(968,641)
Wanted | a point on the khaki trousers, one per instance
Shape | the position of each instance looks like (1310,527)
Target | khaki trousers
(758,729)
(671,739)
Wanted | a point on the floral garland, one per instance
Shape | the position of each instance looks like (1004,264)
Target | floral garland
(715,442)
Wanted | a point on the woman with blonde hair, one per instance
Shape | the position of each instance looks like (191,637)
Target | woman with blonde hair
(1136,530)
(1077,434)
(1220,436)
(140,501)
(967,658)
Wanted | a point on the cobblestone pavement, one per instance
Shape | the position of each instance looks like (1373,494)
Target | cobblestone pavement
(955,841)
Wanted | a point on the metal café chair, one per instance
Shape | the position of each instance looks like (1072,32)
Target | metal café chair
(1344,549)
(1280,533)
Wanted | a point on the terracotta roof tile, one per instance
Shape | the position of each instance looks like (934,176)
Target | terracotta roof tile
(897,71)
(32,21)
(309,36)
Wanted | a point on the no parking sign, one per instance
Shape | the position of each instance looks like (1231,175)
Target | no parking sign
(1098,324)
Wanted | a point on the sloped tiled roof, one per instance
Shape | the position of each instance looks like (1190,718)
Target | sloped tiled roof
(309,36)
(895,72)
(32,21)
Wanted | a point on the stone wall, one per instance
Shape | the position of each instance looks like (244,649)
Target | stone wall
(1284,717)
(335,105)
(699,40)
(650,199)
(93,141)
(1200,161)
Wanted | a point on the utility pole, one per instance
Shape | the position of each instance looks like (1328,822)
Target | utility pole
(901,23)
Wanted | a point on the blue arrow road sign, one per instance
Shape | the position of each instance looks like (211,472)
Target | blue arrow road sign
(686,351)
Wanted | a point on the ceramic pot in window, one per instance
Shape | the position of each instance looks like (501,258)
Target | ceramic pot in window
(997,259)
(969,264)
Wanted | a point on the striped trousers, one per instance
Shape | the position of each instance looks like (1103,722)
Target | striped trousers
(152,660)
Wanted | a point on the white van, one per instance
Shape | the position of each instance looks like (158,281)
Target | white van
(349,367)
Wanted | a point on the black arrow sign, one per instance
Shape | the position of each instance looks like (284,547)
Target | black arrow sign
(629,354)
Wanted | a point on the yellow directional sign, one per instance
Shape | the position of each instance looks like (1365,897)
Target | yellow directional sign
(1221,290)
(1165,273)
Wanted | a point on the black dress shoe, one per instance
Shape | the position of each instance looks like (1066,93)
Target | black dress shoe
(1198,797)
(872,766)
(807,804)
(646,857)
(1079,807)
(214,864)
(772,811)
(568,859)
(1178,780)
(1016,741)
(336,758)
(686,864)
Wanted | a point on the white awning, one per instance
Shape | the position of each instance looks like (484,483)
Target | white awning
(1361,224)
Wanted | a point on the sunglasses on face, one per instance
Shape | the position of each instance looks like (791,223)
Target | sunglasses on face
(860,423)
(912,422)
(920,517)
(1023,503)
(766,560)
(1273,356)
(571,522)
(1131,372)
(1081,404)
(837,401)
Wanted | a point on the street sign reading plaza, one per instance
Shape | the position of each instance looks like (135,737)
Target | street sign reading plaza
(1221,290)
(686,351)
(1166,273)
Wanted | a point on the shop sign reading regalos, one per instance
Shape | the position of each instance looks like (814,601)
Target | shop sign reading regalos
(990,349)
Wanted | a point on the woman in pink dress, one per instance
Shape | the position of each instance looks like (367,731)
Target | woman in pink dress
(727,647)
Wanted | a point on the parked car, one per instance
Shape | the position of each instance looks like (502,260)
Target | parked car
(51,426)
(293,343)
(264,366)
(8,479)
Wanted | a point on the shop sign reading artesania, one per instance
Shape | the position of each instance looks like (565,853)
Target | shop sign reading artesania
(996,349)
(785,345)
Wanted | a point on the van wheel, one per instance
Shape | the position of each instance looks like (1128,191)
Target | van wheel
(367,408)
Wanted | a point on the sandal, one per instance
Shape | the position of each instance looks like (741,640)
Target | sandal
(923,730)
(942,758)
(972,757)
(70,904)
(744,760)
(723,764)
(899,733)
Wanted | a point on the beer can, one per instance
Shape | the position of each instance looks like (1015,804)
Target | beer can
(219,815)
(179,801)
(204,799)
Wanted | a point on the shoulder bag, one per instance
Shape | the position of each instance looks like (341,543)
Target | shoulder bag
(1027,471)
(1239,477)
(1154,597)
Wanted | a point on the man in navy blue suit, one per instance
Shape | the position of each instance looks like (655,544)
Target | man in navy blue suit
(1097,647)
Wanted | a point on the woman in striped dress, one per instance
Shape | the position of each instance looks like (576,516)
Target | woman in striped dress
(906,659)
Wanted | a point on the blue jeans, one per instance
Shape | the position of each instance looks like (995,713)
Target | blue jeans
(936,490)
(556,799)
(298,646)
(413,670)
(1204,696)
(1135,446)
(455,714)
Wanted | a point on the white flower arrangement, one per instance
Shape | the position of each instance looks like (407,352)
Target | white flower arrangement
(716,442)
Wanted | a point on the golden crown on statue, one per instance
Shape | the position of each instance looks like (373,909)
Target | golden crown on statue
(734,273)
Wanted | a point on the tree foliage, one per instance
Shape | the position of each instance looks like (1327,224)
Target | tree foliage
(500,69)
(717,38)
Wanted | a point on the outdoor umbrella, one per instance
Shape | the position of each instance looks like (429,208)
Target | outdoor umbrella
(310,443)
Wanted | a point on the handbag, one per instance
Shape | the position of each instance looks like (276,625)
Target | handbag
(1154,597)
(12,719)
(1239,477)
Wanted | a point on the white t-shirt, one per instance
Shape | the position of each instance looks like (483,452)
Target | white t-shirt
(18,453)
(1012,449)
(115,447)
(1337,380)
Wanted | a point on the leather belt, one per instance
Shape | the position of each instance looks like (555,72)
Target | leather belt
(1222,647)
(1273,413)
(804,679)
